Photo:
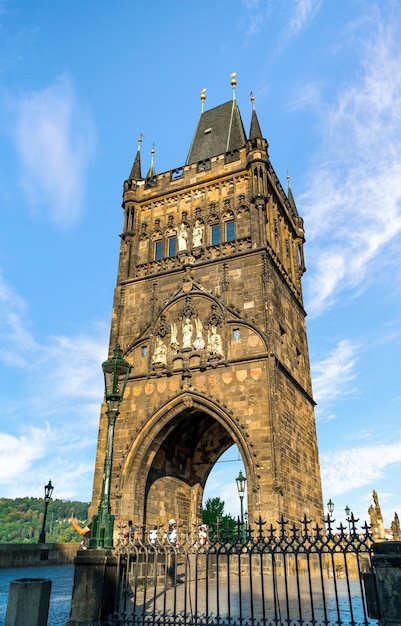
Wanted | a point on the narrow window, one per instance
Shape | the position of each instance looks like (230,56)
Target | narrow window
(144,351)
(230,230)
(158,249)
(236,334)
(215,234)
(172,246)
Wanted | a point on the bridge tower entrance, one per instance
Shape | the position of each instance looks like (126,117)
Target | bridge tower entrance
(208,310)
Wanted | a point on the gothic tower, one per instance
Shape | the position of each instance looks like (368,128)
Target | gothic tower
(208,310)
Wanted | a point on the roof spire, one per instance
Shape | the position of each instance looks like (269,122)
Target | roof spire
(151,175)
(290,196)
(136,168)
(233,82)
(203,98)
(254,132)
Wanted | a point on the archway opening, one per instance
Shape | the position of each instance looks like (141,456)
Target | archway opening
(179,462)
(221,482)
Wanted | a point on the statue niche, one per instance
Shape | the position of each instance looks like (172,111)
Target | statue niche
(160,353)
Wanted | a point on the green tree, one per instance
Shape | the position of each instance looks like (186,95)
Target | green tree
(21,520)
(221,526)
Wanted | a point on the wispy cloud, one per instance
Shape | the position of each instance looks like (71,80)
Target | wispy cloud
(302,12)
(52,412)
(18,453)
(347,469)
(295,15)
(16,341)
(54,139)
(353,203)
(332,376)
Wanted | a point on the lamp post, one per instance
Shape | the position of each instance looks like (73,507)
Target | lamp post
(241,486)
(348,513)
(48,494)
(116,371)
(330,509)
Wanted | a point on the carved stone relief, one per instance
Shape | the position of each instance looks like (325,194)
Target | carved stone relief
(187,333)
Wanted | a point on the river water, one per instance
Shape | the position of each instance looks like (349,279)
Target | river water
(62,577)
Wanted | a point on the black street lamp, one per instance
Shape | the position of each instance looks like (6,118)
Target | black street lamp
(347,514)
(330,507)
(116,371)
(241,486)
(48,494)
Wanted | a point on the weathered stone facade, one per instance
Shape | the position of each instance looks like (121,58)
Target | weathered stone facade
(208,310)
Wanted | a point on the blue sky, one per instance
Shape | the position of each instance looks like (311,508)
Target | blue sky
(79,81)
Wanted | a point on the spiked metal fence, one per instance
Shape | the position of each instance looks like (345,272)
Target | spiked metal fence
(260,575)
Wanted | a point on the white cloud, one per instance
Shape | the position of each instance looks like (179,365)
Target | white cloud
(52,414)
(18,453)
(302,12)
(16,340)
(63,391)
(73,365)
(54,139)
(353,204)
(347,469)
(332,376)
(28,461)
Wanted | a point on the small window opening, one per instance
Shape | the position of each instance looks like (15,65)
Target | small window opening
(230,230)
(144,351)
(215,232)
(236,334)
(172,246)
(158,249)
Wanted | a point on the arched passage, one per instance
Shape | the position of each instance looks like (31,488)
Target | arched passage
(169,464)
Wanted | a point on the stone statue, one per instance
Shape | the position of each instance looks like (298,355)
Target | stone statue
(160,354)
(182,236)
(395,528)
(376,519)
(175,346)
(197,234)
(214,342)
(187,330)
(199,342)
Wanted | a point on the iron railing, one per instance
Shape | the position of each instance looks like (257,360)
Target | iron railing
(263,575)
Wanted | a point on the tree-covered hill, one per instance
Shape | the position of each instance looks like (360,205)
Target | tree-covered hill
(21,520)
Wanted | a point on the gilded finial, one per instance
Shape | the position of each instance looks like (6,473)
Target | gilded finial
(288,180)
(203,98)
(252,100)
(140,141)
(233,82)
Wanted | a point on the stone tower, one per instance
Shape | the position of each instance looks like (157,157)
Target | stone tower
(208,310)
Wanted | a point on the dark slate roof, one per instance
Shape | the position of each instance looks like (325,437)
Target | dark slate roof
(219,131)
(136,168)
(255,132)
(292,201)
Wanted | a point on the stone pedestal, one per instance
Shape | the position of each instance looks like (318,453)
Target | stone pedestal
(28,602)
(94,590)
(386,562)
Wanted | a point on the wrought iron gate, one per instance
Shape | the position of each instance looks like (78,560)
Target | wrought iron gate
(255,576)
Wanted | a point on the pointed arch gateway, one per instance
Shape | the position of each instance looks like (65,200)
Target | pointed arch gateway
(168,465)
